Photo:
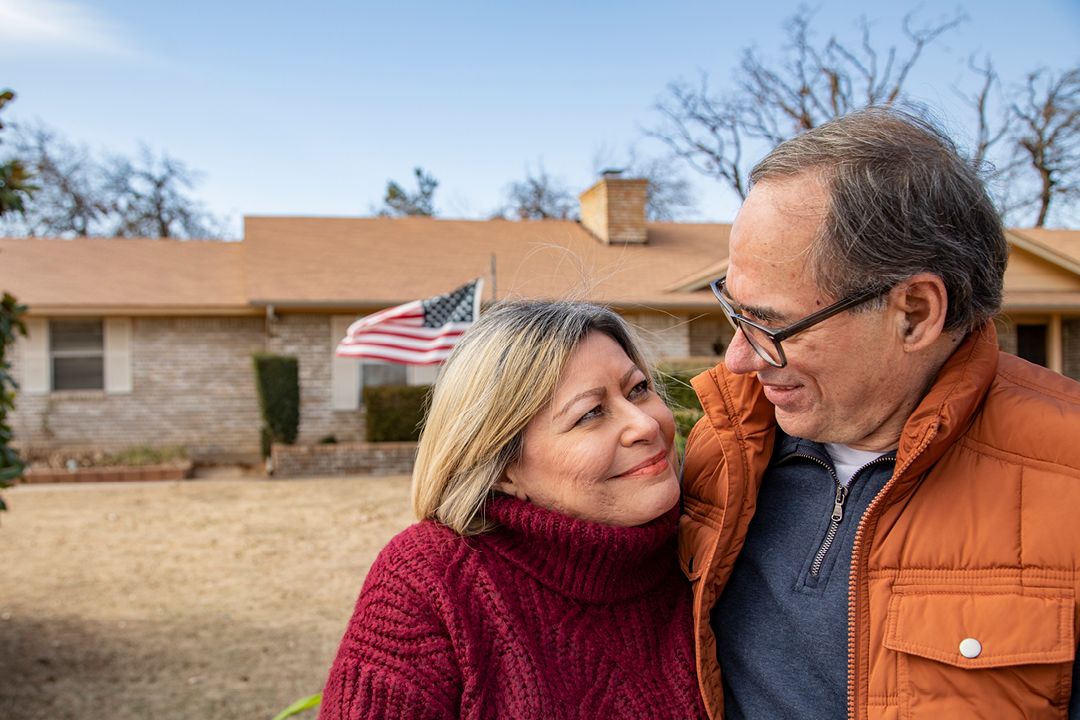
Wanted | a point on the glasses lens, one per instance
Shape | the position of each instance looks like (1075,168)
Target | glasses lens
(763,345)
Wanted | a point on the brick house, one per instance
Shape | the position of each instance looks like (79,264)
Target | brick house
(137,342)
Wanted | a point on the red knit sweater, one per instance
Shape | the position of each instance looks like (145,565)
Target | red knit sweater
(545,617)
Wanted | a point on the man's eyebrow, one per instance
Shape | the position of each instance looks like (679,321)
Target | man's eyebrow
(764,313)
(596,391)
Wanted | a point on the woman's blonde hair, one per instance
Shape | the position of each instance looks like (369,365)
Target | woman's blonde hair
(501,374)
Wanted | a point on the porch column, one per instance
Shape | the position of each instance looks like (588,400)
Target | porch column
(1055,348)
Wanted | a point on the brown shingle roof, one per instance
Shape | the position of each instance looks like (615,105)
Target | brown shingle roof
(1059,244)
(122,273)
(384,261)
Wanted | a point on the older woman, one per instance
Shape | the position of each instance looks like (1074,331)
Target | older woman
(542,580)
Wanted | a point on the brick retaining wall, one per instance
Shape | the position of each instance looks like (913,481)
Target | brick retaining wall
(385,458)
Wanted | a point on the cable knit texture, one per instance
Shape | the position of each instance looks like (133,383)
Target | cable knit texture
(545,617)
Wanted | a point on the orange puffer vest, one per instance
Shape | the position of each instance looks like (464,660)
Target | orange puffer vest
(965,571)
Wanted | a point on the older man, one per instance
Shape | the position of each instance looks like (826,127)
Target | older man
(882,511)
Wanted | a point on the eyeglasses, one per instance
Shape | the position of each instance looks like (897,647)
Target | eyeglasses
(766,342)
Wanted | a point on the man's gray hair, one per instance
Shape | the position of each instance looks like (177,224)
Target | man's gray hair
(902,201)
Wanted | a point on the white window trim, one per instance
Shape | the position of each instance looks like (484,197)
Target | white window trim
(37,358)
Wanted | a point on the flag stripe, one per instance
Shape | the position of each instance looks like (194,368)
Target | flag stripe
(389,333)
(420,332)
(373,338)
(394,355)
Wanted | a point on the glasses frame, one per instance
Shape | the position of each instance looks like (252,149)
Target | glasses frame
(737,320)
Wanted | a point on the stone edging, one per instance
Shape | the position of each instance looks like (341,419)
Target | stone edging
(112,473)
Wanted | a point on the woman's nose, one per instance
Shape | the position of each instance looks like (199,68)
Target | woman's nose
(641,426)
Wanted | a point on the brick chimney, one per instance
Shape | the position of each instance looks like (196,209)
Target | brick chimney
(614,208)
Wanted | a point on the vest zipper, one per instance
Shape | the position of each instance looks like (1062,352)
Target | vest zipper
(854,596)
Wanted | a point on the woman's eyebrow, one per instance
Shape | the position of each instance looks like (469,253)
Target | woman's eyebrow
(598,391)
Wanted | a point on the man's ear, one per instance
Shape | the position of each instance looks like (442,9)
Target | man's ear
(509,484)
(922,302)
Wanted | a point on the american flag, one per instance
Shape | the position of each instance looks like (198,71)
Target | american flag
(421,332)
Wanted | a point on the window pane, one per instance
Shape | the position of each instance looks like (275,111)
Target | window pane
(77,336)
(383,374)
(78,373)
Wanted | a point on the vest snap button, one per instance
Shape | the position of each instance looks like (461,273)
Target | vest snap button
(970,648)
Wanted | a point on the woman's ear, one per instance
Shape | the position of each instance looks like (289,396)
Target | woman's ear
(923,303)
(509,484)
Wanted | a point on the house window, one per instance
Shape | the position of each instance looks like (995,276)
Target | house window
(1031,343)
(374,374)
(77,354)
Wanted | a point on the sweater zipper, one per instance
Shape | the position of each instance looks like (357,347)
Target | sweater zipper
(856,561)
(837,513)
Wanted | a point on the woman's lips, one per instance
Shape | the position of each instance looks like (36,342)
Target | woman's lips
(651,466)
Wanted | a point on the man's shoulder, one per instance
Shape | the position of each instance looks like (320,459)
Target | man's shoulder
(1031,411)
(1027,378)
(1032,391)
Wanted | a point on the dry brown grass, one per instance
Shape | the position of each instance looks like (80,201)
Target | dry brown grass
(195,599)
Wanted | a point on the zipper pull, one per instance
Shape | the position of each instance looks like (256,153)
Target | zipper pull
(838,505)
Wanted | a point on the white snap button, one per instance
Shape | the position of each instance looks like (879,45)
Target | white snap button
(970,648)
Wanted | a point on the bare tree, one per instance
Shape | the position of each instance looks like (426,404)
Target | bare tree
(1047,137)
(147,198)
(539,197)
(773,102)
(70,199)
(400,202)
(78,195)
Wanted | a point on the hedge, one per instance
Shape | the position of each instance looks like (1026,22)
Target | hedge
(395,412)
(675,377)
(277,378)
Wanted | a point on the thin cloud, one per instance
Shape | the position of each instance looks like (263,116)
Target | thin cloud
(61,25)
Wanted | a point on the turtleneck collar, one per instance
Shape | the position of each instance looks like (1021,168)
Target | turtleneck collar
(583,560)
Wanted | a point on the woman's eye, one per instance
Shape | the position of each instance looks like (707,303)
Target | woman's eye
(593,413)
(642,388)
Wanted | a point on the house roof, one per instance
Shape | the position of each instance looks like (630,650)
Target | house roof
(385,261)
(1061,247)
(123,274)
(366,263)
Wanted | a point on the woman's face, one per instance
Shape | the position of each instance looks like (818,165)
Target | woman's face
(601,450)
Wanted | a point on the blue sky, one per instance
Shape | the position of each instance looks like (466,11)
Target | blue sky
(308,109)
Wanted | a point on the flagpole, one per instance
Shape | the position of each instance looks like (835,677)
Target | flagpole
(494,289)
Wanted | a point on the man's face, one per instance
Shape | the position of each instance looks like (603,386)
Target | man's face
(847,379)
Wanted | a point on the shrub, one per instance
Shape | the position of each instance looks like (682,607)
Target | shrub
(395,412)
(11,312)
(277,379)
(685,418)
(676,377)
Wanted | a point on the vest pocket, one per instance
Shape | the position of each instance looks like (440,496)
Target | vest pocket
(988,652)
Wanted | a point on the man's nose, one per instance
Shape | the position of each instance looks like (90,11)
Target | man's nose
(740,357)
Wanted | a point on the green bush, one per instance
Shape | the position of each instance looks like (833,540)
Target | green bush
(685,418)
(11,324)
(676,377)
(395,412)
(277,378)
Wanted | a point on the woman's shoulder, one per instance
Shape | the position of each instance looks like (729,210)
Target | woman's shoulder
(423,548)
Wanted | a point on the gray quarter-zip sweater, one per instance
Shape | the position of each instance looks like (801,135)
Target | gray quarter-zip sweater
(781,622)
